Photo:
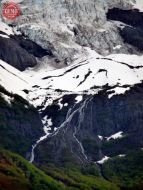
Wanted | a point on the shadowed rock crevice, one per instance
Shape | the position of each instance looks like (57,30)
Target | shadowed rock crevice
(20,52)
(14,55)
(31,47)
(130,17)
(132,34)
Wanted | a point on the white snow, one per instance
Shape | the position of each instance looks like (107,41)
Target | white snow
(12,79)
(118,90)
(49,122)
(122,155)
(133,60)
(138,5)
(5,28)
(115,136)
(4,36)
(60,104)
(7,98)
(55,129)
(103,160)
(119,71)
(94,70)
(117,47)
(66,104)
(100,137)
(79,98)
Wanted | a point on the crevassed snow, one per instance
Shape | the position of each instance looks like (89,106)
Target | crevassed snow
(115,136)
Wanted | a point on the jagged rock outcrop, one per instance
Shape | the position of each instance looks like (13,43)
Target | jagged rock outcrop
(133,33)
(20,52)
(16,56)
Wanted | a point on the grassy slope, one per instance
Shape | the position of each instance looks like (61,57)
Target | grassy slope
(19,174)
(79,179)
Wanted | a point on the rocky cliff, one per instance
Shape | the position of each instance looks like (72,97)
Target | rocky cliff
(91,109)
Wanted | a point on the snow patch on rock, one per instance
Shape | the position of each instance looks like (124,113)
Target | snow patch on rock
(115,136)
(103,160)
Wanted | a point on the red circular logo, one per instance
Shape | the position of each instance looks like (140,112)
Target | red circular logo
(11,11)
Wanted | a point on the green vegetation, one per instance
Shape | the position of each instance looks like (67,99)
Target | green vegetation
(19,129)
(19,123)
(126,171)
(76,179)
(19,174)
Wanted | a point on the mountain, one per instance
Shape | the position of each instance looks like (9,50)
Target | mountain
(71,84)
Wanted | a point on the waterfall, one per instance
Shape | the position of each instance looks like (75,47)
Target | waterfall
(64,126)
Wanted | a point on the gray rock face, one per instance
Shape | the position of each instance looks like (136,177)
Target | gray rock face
(86,132)
(20,52)
(15,55)
(133,33)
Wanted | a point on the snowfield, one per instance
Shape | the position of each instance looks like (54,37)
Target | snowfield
(88,74)
(12,79)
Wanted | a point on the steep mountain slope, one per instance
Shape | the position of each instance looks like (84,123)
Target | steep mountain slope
(17,50)
(89,124)
(20,123)
(65,27)
(92,80)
